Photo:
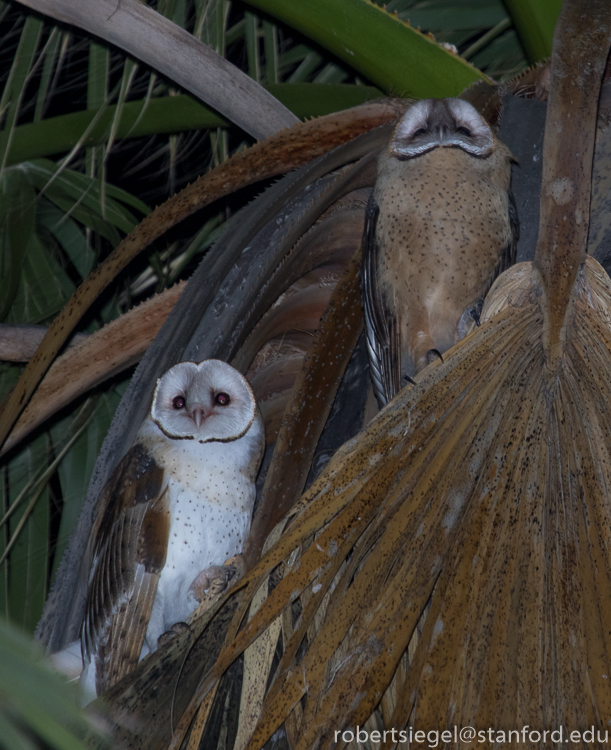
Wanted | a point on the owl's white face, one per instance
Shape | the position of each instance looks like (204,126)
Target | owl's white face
(434,123)
(209,401)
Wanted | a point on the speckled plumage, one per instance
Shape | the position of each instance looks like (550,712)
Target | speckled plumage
(211,508)
(179,503)
(440,226)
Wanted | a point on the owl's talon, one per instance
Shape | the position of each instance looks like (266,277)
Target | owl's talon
(432,353)
(178,628)
(475,312)
(215,579)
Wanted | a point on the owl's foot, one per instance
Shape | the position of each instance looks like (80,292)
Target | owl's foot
(432,354)
(476,311)
(178,628)
(215,579)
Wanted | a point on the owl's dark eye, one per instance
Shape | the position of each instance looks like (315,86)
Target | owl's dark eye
(222,399)
(464,131)
(420,131)
(179,402)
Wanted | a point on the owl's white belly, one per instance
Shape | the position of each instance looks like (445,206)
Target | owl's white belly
(203,532)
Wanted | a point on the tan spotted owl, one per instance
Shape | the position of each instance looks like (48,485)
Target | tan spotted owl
(177,507)
(440,225)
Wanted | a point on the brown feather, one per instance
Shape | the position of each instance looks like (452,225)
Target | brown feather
(120,651)
(128,554)
(154,533)
(381,322)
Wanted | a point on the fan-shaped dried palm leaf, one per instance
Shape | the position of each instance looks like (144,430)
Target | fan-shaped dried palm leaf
(443,495)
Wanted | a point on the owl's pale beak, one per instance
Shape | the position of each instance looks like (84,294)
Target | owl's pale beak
(198,413)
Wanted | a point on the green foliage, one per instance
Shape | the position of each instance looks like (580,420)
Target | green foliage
(535,23)
(46,212)
(481,30)
(168,114)
(37,708)
(378,45)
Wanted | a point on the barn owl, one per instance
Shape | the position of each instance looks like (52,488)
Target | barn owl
(177,506)
(440,226)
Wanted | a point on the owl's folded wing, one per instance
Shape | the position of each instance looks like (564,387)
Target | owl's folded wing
(380,324)
(508,256)
(509,252)
(129,552)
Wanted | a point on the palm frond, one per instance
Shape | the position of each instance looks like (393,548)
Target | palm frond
(37,709)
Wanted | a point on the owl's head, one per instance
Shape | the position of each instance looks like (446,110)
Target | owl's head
(435,123)
(209,401)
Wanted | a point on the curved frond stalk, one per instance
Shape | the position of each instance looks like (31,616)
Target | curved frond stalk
(140,31)
(309,408)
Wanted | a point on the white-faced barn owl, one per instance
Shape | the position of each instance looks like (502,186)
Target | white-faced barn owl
(178,505)
(440,226)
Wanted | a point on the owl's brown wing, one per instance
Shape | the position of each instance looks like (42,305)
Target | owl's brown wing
(129,550)
(508,254)
(507,257)
(382,331)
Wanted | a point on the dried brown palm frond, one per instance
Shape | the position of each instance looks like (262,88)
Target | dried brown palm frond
(442,498)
